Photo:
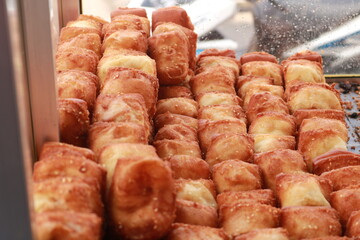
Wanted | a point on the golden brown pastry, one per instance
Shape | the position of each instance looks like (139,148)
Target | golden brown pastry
(335,159)
(85,22)
(257,56)
(235,176)
(302,70)
(261,88)
(182,231)
(263,69)
(120,80)
(77,84)
(174,92)
(270,142)
(313,96)
(90,41)
(127,22)
(104,133)
(353,225)
(54,150)
(94,18)
(68,33)
(125,11)
(245,217)
(68,194)
(310,222)
(168,148)
(302,189)
(302,114)
(230,146)
(201,191)
(265,102)
(222,112)
(127,39)
(245,82)
(170,118)
(308,55)
(226,65)
(209,130)
(183,106)
(194,213)
(176,132)
(213,80)
(346,201)
(172,14)
(343,177)
(127,59)
(263,196)
(141,203)
(314,143)
(67,225)
(73,120)
(112,153)
(217,53)
(329,238)
(216,98)
(279,161)
(188,167)
(75,58)
(265,233)
(273,123)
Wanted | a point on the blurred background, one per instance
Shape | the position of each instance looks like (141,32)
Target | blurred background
(280,27)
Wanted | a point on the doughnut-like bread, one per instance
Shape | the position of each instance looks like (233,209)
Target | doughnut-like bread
(217,53)
(343,177)
(302,189)
(183,106)
(314,143)
(68,194)
(182,231)
(168,148)
(54,150)
(265,102)
(120,80)
(216,98)
(90,41)
(265,233)
(222,112)
(213,80)
(308,55)
(353,225)
(313,96)
(92,17)
(176,132)
(302,71)
(310,222)
(112,153)
(257,56)
(230,146)
(263,196)
(273,123)
(125,11)
(247,82)
(67,225)
(245,217)
(260,88)
(335,159)
(235,176)
(127,59)
(302,114)
(329,238)
(170,118)
(174,92)
(84,22)
(209,130)
(68,33)
(194,213)
(263,69)
(172,14)
(346,201)
(77,84)
(73,120)
(279,161)
(104,133)
(188,167)
(127,22)
(141,187)
(201,191)
(270,142)
(75,58)
(127,39)
(227,65)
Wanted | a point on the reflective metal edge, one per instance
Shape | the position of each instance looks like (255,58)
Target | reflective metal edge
(68,11)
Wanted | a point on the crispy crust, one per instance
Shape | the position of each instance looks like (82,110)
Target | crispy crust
(95,18)
(263,196)
(273,123)
(127,22)
(172,14)
(222,112)
(90,41)
(265,233)
(68,33)
(85,23)
(352,227)
(125,11)
(217,53)
(308,55)
(343,177)
(170,118)
(127,39)
(229,66)
(174,92)
(54,150)
(264,69)
(188,167)
(257,56)
(346,201)
(216,98)
(302,114)
(335,159)
(260,88)
(168,148)
(270,142)
(236,176)
(182,231)
(180,105)
(245,82)
(176,132)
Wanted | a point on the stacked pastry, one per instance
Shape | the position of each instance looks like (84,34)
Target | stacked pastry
(139,193)
(67,192)
(76,62)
